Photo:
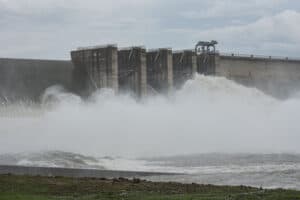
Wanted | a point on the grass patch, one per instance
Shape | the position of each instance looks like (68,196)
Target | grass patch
(55,188)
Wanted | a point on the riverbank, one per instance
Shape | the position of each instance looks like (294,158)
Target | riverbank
(49,188)
(75,172)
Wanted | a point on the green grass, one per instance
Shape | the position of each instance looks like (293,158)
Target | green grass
(58,188)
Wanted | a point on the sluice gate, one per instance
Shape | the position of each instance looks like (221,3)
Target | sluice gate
(138,71)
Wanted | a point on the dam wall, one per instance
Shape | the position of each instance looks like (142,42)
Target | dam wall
(27,79)
(207,63)
(95,68)
(143,72)
(184,67)
(160,70)
(130,69)
(276,76)
(133,70)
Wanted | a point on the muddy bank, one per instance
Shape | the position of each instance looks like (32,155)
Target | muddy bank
(44,188)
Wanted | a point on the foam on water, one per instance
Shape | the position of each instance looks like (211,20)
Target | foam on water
(267,170)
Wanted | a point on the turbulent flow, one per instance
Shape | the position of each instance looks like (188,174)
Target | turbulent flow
(266,170)
(209,114)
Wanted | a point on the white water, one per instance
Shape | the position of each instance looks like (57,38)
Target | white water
(266,170)
(208,115)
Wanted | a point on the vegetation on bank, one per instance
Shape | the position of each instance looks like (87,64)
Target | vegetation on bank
(53,188)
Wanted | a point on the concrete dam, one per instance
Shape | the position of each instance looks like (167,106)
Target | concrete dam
(144,72)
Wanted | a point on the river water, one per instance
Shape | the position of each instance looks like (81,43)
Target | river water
(258,170)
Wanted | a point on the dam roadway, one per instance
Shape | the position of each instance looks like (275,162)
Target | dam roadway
(75,173)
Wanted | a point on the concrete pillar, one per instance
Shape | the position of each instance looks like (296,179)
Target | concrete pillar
(184,66)
(217,64)
(194,63)
(160,70)
(143,72)
(112,67)
(132,70)
(79,77)
(95,68)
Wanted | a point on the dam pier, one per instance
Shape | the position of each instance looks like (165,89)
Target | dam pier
(142,72)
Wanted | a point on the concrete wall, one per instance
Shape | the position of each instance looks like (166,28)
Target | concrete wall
(95,68)
(278,77)
(184,67)
(142,72)
(160,70)
(26,79)
(132,71)
(206,64)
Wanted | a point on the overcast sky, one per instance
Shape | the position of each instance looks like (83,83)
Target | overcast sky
(51,28)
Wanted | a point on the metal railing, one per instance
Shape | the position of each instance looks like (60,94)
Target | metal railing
(260,56)
(96,47)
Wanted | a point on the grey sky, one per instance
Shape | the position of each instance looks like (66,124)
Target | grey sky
(51,28)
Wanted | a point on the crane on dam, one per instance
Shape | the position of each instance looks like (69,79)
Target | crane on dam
(204,47)
(205,52)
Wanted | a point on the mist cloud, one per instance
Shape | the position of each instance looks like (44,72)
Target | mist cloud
(208,115)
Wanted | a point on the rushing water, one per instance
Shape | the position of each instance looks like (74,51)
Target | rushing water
(257,135)
(258,170)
